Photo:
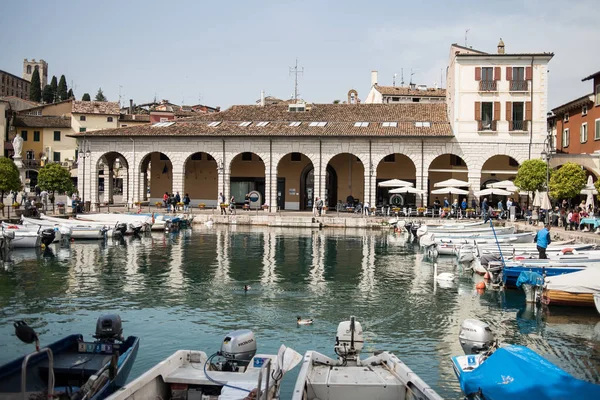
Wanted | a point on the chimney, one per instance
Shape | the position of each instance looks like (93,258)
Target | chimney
(501,47)
(262,98)
(130,106)
(373,78)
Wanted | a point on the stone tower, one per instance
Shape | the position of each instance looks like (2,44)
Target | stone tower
(30,66)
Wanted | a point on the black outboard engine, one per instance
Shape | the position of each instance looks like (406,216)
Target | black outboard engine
(48,236)
(475,337)
(121,228)
(109,328)
(495,269)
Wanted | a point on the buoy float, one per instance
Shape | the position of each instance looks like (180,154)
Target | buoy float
(568,250)
(72,239)
(43,246)
(486,276)
(480,285)
(480,291)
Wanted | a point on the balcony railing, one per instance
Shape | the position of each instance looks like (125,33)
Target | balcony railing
(519,86)
(518,126)
(487,126)
(488,86)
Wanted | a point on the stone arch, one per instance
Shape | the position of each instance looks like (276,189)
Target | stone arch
(112,176)
(350,176)
(247,173)
(201,177)
(443,167)
(498,167)
(293,192)
(156,172)
(394,166)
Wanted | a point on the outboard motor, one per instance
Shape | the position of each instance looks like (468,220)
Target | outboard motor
(422,230)
(109,328)
(475,336)
(121,228)
(349,340)
(136,227)
(408,226)
(237,349)
(48,236)
(495,269)
(414,228)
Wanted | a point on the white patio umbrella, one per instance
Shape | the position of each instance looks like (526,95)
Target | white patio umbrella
(449,190)
(395,183)
(452,183)
(407,189)
(506,185)
(492,191)
(589,190)
(541,200)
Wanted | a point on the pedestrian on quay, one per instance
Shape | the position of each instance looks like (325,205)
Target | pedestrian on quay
(177,198)
(485,210)
(542,240)
(186,202)
(221,203)
(319,204)
(166,200)
(463,208)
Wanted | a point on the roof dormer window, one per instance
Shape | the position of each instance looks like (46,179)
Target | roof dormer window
(389,124)
(295,123)
(320,124)
(246,123)
(361,124)
(262,123)
(214,123)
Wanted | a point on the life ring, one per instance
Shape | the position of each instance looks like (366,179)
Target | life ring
(568,250)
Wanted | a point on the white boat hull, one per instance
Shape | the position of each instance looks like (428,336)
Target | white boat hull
(26,240)
(381,377)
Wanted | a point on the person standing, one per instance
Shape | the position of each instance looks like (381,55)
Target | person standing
(485,210)
(319,206)
(446,203)
(542,240)
(500,209)
(221,203)
(509,204)
(232,205)
(166,200)
(463,208)
(186,202)
(177,198)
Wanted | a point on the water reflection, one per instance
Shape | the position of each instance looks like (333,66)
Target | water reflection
(184,290)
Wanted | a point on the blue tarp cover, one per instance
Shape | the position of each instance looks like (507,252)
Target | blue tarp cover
(533,278)
(516,372)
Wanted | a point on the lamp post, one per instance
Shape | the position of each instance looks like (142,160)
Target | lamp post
(546,156)
(85,153)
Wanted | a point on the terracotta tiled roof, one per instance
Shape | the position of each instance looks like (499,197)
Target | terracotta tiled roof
(135,117)
(573,104)
(592,76)
(407,91)
(95,107)
(29,121)
(340,120)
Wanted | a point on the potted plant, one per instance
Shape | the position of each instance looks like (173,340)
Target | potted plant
(158,204)
(201,206)
(15,205)
(180,205)
(421,210)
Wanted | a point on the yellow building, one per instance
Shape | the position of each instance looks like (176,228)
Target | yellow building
(45,139)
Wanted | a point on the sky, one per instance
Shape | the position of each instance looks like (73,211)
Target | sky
(221,53)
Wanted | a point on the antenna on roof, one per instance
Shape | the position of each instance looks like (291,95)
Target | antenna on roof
(411,75)
(466,32)
(394,81)
(441,78)
(401,76)
(295,70)
(120,87)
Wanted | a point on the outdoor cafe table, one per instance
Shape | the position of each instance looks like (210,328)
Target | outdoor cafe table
(590,220)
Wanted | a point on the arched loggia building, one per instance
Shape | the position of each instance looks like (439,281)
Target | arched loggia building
(291,155)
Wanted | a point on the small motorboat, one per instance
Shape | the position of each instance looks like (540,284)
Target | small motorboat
(574,289)
(84,230)
(60,233)
(71,367)
(512,270)
(488,371)
(30,238)
(380,376)
(234,372)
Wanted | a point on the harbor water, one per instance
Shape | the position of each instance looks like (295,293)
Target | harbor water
(185,291)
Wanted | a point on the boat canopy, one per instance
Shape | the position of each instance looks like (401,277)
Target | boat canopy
(529,277)
(585,281)
(516,372)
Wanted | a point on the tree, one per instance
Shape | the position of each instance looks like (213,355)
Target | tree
(62,89)
(337,101)
(531,175)
(86,97)
(48,94)
(567,182)
(54,178)
(54,86)
(100,96)
(9,177)
(35,88)
(70,95)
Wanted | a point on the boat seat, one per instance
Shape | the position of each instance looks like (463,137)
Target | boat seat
(79,364)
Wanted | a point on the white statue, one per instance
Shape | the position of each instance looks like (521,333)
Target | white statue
(18,145)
